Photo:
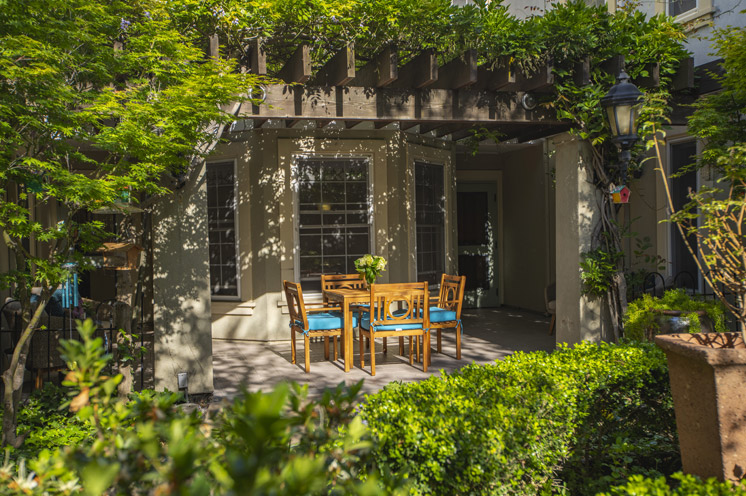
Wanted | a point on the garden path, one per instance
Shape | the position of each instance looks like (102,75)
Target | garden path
(490,334)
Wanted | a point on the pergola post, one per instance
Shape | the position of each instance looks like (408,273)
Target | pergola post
(181,288)
(579,318)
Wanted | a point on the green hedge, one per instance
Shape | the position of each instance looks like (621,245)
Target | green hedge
(576,420)
(681,485)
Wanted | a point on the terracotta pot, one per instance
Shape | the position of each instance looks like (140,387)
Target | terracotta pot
(708,383)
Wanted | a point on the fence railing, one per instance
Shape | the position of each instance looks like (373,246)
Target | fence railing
(45,360)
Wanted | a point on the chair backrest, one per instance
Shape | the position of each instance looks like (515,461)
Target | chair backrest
(452,293)
(341,281)
(404,303)
(294,295)
(550,294)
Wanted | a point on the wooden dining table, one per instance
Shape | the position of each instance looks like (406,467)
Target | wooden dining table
(347,297)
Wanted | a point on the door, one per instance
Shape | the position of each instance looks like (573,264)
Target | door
(477,242)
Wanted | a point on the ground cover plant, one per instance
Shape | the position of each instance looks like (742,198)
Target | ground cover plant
(576,420)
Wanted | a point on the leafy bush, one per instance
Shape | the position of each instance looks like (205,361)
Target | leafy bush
(598,268)
(47,426)
(641,320)
(685,485)
(527,424)
(273,443)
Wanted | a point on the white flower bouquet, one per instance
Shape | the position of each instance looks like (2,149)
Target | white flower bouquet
(370,267)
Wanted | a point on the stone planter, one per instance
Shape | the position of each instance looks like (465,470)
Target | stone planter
(708,383)
(672,322)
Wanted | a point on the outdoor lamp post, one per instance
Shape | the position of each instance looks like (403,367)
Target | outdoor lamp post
(622,105)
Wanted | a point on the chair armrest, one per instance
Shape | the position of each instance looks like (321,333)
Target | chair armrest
(323,309)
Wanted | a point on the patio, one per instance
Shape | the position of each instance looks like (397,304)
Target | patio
(490,334)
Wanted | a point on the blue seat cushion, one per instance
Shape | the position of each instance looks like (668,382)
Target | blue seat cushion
(326,321)
(365,324)
(438,314)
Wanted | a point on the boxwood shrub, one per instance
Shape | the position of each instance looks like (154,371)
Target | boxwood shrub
(577,420)
(679,485)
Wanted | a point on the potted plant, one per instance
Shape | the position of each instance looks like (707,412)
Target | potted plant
(675,312)
(370,267)
(708,371)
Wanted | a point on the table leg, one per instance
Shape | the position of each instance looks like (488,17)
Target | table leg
(348,334)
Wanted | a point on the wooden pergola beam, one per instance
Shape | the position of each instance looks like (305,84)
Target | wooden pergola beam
(379,72)
(257,57)
(653,79)
(500,78)
(420,72)
(214,47)
(426,128)
(684,77)
(425,106)
(614,65)
(541,80)
(339,70)
(298,67)
(582,72)
(459,72)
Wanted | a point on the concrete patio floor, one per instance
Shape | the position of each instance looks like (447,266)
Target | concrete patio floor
(490,334)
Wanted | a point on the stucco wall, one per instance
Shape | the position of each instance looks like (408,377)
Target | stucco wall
(527,231)
(183,341)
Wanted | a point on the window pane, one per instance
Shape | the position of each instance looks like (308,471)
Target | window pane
(333,193)
(221,219)
(430,221)
(678,7)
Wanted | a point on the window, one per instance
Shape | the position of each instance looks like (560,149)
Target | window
(221,225)
(683,265)
(678,7)
(430,221)
(334,223)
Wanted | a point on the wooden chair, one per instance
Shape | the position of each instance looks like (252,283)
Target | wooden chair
(550,302)
(312,320)
(382,319)
(342,281)
(447,313)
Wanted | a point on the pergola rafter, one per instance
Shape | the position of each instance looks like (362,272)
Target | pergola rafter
(450,99)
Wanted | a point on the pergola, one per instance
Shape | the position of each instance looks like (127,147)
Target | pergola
(450,101)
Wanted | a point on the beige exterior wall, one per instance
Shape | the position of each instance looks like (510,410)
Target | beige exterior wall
(525,219)
(181,288)
(267,215)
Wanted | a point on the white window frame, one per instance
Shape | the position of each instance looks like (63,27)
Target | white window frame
(296,157)
(236,225)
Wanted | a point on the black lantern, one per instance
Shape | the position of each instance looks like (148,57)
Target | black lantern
(622,105)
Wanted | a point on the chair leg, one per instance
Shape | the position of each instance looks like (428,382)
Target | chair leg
(326,347)
(401,345)
(551,324)
(335,348)
(458,340)
(411,361)
(292,346)
(426,351)
(417,348)
(38,379)
(372,355)
(440,350)
(384,346)
(307,343)
(362,350)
